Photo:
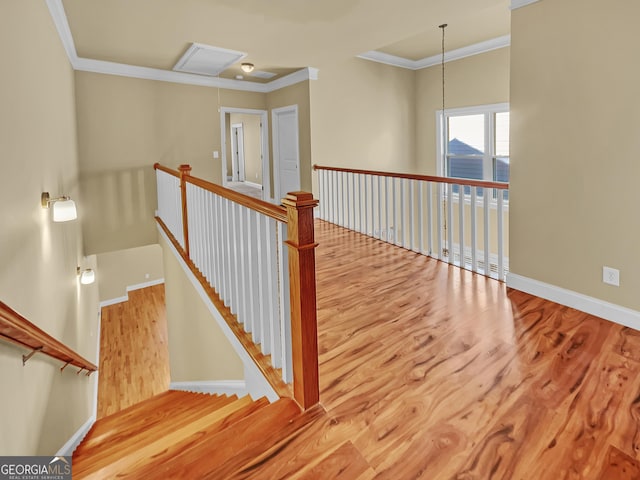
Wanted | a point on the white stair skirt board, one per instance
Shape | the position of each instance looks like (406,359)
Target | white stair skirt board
(68,448)
(220,387)
(609,311)
(257,385)
(131,288)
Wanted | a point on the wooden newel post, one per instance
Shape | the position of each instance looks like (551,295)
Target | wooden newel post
(302,281)
(185,171)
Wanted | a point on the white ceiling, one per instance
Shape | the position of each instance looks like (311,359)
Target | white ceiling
(279,35)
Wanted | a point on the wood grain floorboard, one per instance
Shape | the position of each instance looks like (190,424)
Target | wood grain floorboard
(429,371)
(433,372)
(134,351)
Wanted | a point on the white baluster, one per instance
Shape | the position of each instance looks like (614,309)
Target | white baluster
(487,247)
(421,218)
(461,224)
(450,222)
(430,219)
(474,229)
(241,272)
(440,232)
(284,360)
(412,219)
(499,214)
(263,281)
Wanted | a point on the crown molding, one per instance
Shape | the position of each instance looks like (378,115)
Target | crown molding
(388,59)
(56,9)
(146,73)
(59,16)
(457,54)
(515,4)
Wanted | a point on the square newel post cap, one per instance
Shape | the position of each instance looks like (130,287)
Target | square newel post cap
(185,169)
(299,200)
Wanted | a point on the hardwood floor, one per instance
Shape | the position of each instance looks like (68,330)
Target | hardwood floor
(134,353)
(428,371)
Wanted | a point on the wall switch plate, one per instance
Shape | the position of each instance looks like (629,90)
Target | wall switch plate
(216,154)
(611,276)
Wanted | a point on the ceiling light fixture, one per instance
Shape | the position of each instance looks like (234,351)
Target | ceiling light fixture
(64,209)
(247,67)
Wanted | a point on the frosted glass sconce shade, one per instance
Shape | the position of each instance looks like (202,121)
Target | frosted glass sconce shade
(87,277)
(64,209)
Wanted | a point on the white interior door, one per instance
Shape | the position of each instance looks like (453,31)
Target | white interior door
(237,152)
(285,150)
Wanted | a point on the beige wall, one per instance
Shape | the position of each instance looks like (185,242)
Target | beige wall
(125,268)
(40,408)
(125,125)
(477,80)
(575,114)
(363,116)
(297,94)
(252,145)
(198,349)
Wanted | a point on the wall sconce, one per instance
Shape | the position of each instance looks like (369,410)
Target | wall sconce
(64,209)
(247,67)
(87,276)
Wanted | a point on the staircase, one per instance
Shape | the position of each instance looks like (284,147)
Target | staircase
(184,435)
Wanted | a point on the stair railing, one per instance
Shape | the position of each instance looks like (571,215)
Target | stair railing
(18,330)
(459,221)
(256,261)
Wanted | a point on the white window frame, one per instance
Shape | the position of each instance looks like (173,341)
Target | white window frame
(489,112)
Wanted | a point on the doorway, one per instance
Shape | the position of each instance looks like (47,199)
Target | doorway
(245,151)
(237,152)
(286,153)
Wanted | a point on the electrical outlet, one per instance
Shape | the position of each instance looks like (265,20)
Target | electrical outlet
(611,276)
(146,275)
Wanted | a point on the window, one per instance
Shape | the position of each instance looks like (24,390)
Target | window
(477,143)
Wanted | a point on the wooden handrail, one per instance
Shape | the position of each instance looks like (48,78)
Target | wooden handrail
(298,216)
(20,331)
(274,211)
(162,168)
(427,178)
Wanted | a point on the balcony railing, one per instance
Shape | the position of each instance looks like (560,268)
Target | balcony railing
(462,222)
(257,261)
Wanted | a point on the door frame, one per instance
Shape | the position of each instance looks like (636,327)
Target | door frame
(237,153)
(278,195)
(264,134)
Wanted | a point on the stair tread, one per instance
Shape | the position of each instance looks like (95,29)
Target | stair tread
(106,423)
(145,419)
(237,443)
(145,429)
(132,456)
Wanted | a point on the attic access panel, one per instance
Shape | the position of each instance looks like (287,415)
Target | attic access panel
(207,60)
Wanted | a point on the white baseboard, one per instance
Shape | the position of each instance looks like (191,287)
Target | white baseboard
(254,185)
(131,288)
(68,448)
(220,387)
(599,308)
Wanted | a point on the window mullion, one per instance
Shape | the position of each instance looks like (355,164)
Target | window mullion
(489,148)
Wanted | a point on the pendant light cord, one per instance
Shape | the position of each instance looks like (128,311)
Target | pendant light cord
(445,250)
